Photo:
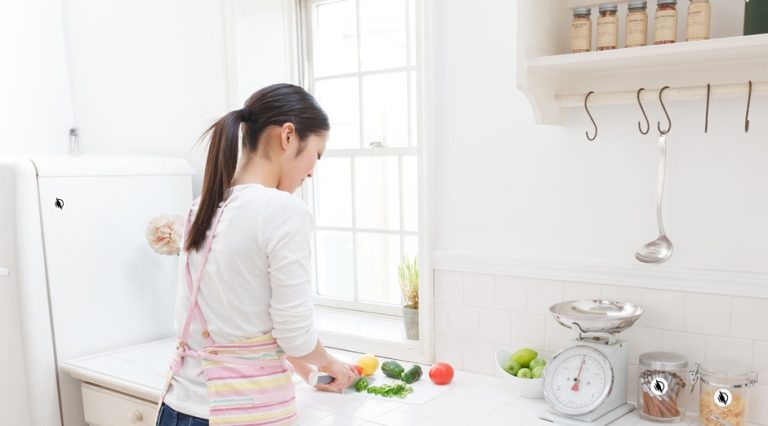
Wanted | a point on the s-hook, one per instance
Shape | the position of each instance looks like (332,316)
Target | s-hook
(590,117)
(749,100)
(706,116)
(669,120)
(647,123)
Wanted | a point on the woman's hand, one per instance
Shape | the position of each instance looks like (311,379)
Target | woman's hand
(343,374)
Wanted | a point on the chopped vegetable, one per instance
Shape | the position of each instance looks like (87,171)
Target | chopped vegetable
(411,375)
(361,384)
(390,390)
(392,369)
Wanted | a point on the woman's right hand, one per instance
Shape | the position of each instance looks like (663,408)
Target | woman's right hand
(343,374)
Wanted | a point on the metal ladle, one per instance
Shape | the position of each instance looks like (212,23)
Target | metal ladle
(660,249)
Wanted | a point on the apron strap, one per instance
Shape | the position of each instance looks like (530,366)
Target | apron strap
(193,284)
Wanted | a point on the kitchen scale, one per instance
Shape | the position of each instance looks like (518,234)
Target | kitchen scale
(585,384)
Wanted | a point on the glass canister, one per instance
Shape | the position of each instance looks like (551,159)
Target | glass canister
(697,28)
(723,393)
(608,27)
(581,30)
(637,24)
(661,379)
(665,22)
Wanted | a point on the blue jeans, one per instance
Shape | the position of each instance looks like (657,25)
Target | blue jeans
(170,417)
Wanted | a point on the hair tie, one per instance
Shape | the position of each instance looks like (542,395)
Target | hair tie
(243,115)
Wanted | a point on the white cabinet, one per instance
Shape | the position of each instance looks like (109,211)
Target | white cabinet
(104,407)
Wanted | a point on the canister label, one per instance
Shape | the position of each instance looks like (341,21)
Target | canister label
(659,386)
(722,397)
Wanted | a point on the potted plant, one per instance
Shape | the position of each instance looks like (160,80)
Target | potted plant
(408,272)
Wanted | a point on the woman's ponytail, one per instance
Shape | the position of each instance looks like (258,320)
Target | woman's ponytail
(219,170)
(273,105)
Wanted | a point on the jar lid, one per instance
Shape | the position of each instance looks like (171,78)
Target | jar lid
(663,361)
(636,4)
(609,7)
(667,2)
(713,369)
(582,11)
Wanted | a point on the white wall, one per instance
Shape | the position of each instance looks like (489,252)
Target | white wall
(505,185)
(35,107)
(147,77)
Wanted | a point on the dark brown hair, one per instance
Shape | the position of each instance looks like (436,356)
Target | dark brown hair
(273,105)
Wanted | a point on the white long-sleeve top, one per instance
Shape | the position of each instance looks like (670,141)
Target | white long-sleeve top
(257,280)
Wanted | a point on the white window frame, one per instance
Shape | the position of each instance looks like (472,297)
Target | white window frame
(308,193)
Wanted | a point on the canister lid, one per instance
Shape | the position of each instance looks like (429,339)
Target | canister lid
(721,373)
(663,361)
(608,7)
(667,2)
(638,4)
(582,11)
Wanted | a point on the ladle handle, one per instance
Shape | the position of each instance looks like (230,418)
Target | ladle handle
(660,188)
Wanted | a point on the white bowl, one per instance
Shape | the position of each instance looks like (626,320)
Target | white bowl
(527,388)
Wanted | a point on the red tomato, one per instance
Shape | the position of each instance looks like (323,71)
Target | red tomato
(441,373)
(359,370)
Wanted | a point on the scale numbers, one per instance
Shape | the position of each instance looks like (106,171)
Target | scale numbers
(578,380)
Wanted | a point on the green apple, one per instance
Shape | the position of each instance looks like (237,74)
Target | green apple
(536,363)
(512,367)
(537,372)
(524,373)
(524,356)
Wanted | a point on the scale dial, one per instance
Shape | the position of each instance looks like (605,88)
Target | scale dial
(577,380)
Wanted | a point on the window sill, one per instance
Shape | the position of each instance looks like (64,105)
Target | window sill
(382,335)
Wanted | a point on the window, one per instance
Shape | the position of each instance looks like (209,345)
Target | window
(360,63)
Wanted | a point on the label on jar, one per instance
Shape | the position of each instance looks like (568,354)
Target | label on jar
(698,21)
(581,35)
(637,29)
(607,32)
(722,398)
(665,26)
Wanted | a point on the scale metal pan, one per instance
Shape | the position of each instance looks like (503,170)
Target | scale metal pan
(596,316)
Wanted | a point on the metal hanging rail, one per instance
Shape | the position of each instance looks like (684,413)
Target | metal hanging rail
(735,90)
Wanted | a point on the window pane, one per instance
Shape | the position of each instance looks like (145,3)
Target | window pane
(385,109)
(383,36)
(335,270)
(411,246)
(377,259)
(335,38)
(410,193)
(333,182)
(339,98)
(413,110)
(377,203)
(412,32)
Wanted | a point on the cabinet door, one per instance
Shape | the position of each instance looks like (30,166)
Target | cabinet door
(13,387)
(103,407)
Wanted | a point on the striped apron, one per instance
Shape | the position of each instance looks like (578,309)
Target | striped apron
(249,381)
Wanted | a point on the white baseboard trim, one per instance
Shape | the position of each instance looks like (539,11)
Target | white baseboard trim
(663,277)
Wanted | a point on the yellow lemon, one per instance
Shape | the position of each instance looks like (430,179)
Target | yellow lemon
(368,364)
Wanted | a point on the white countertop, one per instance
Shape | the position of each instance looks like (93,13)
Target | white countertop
(470,399)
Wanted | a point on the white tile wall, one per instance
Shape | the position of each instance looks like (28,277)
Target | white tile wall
(477,314)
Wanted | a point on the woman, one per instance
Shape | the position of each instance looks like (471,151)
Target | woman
(244,297)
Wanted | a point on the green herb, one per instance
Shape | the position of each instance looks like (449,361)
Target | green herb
(390,390)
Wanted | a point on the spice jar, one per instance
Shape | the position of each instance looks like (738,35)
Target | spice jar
(699,12)
(661,378)
(581,30)
(608,27)
(723,393)
(665,22)
(637,24)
